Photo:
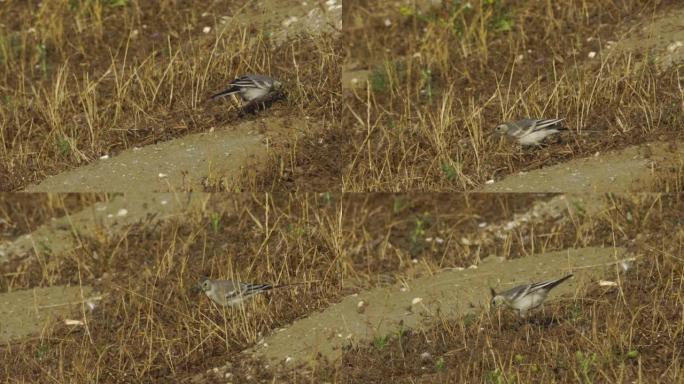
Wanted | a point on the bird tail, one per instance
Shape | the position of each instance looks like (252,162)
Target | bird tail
(226,92)
(551,284)
(293,284)
(251,289)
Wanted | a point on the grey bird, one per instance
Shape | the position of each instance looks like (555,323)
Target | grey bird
(251,87)
(526,297)
(530,131)
(228,293)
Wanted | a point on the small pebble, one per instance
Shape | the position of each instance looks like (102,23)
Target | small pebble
(674,46)
(289,20)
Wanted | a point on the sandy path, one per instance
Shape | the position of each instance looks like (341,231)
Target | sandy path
(630,169)
(45,305)
(179,164)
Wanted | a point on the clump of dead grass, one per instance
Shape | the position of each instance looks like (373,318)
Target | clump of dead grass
(23,213)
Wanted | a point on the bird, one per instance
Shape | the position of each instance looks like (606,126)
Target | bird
(529,132)
(527,296)
(250,87)
(229,293)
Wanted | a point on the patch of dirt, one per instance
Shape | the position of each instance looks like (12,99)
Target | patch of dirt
(180,164)
(662,37)
(28,312)
(630,169)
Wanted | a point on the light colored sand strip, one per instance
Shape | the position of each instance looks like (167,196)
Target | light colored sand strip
(180,164)
(630,169)
(27,312)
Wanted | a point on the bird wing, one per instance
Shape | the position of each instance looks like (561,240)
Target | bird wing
(245,82)
(253,81)
(516,293)
(544,124)
(248,289)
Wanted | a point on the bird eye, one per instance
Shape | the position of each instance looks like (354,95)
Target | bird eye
(205,285)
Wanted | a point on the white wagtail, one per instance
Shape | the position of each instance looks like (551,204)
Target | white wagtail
(251,87)
(530,131)
(527,296)
(229,293)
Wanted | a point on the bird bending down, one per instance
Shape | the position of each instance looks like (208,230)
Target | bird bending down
(250,87)
(530,131)
(228,293)
(527,296)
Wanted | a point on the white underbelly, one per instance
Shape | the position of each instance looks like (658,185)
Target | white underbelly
(249,94)
(534,138)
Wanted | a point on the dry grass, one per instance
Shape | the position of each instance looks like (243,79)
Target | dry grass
(24,213)
(151,327)
(81,79)
(441,80)
(670,179)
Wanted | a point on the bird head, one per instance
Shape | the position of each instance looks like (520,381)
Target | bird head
(277,85)
(496,299)
(203,285)
(501,129)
